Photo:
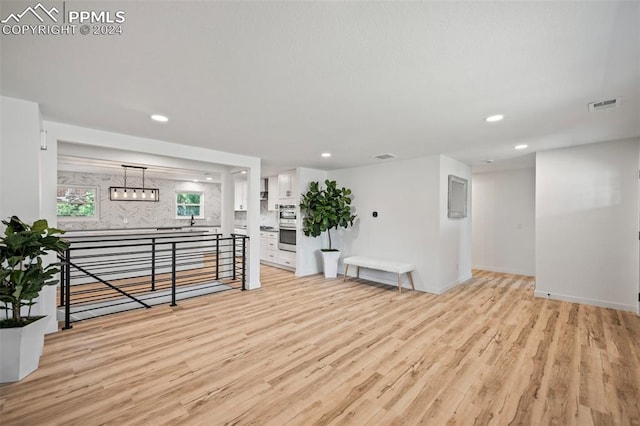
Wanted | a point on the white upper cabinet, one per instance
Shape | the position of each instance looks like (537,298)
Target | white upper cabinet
(240,195)
(273,199)
(288,187)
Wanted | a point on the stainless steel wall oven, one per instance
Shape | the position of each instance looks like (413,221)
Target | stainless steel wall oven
(287,224)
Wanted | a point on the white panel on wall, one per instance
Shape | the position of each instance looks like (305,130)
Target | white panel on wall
(140,214)
(587,224)
(503,221)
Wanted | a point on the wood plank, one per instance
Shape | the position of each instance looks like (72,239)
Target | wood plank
(303,351)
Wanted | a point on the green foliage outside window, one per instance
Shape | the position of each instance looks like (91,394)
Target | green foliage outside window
(189,204)
(76,202)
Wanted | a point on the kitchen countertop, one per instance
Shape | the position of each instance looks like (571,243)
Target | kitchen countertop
(262,228)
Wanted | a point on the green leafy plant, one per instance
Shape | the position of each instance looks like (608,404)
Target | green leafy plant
(22,271)
(325,208)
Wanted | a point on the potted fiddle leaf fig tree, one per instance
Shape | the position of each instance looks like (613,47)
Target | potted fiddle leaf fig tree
(23,274)
(324,209)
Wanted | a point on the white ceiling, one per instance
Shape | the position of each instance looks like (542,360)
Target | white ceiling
(286,81)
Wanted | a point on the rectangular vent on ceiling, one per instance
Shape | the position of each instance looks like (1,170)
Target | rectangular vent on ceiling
(385,156)
(609,103)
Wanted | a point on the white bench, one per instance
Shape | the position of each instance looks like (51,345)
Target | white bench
(381,265)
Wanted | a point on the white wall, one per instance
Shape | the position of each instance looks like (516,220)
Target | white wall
(405,193)
(25,179)
(20,172)
(503,221)
(455,233)
(587,224)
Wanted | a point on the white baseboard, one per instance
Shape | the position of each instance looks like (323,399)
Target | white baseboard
(456,283)
(585,301)
(504,270)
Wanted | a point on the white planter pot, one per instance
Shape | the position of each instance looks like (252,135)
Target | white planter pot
(330,262)
(20,350)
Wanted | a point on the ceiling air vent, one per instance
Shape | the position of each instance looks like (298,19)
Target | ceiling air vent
(609,103)
(385,156)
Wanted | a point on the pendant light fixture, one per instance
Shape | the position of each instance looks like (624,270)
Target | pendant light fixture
(130,193)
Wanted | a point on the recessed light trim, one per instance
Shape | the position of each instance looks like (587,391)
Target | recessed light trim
(159,118)
(209,178)
(494,118)
(326,154)
(521,146)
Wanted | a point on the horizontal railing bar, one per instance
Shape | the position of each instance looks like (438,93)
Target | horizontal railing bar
(150,236)
(121,271)
(78,245)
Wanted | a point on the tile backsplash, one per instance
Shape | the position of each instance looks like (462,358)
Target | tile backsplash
(114,214)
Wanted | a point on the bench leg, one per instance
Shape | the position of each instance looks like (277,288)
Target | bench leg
(357,272)
(399,284)
(346,269)
(411,280)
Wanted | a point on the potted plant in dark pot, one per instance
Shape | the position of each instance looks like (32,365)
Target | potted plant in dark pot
(23,274)
(324,209)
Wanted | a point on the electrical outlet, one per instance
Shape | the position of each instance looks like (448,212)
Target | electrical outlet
(125,220)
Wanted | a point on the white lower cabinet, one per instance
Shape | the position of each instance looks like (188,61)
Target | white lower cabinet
(287,258)
(269,251)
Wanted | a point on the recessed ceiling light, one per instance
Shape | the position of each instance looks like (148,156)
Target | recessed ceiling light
(160,118)
(494,118)
(209,178)
(244,172)
(521,146)
(196,180)
(326,154)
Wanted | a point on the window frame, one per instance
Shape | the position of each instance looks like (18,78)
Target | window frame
(96,204)
(201,205)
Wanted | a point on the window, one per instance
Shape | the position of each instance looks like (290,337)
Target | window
(189,204)
(77,202)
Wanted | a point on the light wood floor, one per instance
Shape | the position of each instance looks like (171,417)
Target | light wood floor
(314,351)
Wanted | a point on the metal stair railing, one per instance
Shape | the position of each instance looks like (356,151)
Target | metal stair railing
(129,266)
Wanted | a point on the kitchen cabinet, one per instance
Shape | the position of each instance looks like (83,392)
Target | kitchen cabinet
(269,246)
(263,246)
(269,251)
(240,195)
(288,187)
(287,258)
(273,198)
